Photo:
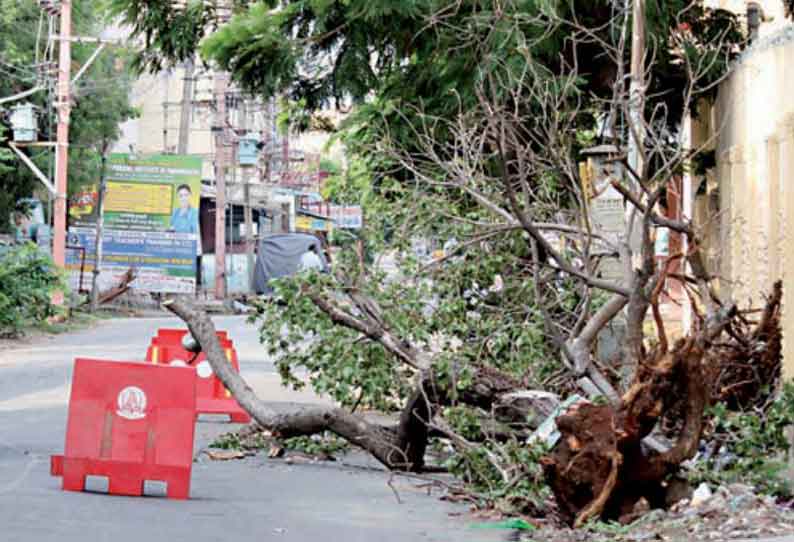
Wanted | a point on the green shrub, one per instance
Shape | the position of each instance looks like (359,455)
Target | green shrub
(27,279)
(757,443)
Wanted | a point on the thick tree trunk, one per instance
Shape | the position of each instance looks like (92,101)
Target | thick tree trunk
(393,448)
(398,447)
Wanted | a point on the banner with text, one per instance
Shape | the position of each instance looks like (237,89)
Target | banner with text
(150,224)
(348,217)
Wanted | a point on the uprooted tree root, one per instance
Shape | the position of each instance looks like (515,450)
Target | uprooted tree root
(748,362)
(601,468)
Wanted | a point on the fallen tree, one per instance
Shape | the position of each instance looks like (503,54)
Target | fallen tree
(452,346)
(399,447)
(600,467)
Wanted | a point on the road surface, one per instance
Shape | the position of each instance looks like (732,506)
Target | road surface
(238,501)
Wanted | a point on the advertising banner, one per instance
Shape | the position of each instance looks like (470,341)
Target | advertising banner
(310,223)
(348,217)
(150,224)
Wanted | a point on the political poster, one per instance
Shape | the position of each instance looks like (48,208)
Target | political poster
(150,224)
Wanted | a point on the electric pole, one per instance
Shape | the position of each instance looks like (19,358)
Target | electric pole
(100,227)
(221,151)
(248,212)
(186,107)
(62,145)
(637,87)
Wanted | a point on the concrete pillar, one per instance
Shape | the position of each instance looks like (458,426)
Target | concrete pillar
(774,207)
(726,260)
(786,173)
(759,212)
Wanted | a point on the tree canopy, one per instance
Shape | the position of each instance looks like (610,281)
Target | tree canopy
(393,62)
(419,52)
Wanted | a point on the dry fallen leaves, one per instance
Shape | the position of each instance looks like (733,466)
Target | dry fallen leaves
(224,455)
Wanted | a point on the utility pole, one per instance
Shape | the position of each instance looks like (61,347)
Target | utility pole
(186,107)
(636,118)
(165,84)
(62,146)
(248,214)
(100,227)
(221,152)
(637,87)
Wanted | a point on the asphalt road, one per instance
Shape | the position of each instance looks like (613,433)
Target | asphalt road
(253,499)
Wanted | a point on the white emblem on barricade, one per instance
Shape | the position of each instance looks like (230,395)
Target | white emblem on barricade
(131,403)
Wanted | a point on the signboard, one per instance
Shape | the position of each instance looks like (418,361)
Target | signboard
(348,217)
(310,223)
(150,223)
(608,214)
(609,219)
(606,205)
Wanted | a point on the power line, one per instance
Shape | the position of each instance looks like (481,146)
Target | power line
(14,66)
(26,79)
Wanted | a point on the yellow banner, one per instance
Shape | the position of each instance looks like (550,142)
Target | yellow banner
(310,223)
(154,199)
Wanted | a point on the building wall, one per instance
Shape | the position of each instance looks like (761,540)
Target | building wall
(753,120)
(156,130)
(773,10)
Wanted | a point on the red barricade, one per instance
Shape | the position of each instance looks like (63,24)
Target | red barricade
(211,395)
(129,422)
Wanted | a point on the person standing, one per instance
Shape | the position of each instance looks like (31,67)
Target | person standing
(310,260)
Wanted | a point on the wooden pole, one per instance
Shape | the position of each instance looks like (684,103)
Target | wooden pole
(636,119)
(248,213)
(637,86)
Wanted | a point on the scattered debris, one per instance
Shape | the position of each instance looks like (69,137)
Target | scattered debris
(241,308)
(547,433)
(251,440)
(514,524)
(124,284)
(733,512)
(701,495)
(224,455)
(298,458)
(275,451)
